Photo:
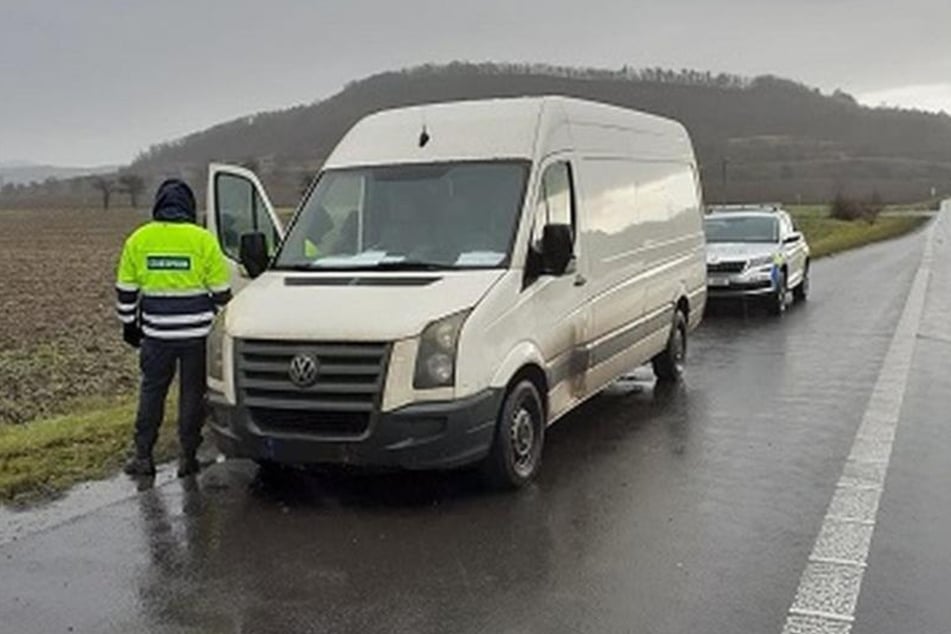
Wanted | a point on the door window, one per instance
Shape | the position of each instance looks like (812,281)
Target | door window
(241,210)
(555,204)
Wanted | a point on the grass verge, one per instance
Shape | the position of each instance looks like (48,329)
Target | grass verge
(47,456)
(827,236)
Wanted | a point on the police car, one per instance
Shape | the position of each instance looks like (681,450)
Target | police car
(755,251)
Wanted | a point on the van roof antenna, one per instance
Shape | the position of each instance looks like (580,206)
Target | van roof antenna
(424,134)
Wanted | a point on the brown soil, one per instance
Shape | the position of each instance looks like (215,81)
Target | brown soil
(59,338)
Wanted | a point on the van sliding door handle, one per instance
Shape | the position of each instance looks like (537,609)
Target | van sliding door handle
(580,280)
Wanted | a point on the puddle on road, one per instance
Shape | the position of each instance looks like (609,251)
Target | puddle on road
(87,498)
(83,499)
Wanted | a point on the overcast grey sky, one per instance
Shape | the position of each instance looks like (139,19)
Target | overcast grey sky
(94,81)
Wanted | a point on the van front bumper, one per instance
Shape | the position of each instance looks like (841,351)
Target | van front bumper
(441,435)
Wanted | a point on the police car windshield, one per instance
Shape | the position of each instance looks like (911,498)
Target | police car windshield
(410,217)
(724,228)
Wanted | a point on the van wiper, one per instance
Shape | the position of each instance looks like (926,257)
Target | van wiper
(407,265)
(307,266)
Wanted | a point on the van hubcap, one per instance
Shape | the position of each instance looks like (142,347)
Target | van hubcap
(523,441)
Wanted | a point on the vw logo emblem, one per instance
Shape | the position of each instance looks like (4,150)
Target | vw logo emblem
(303,370)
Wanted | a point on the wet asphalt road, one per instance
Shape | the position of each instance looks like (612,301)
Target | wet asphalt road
(691,509)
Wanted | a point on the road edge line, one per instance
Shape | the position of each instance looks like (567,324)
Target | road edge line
(829,588)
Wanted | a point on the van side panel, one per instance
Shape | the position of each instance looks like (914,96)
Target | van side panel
(614,242)
(642,232)
(671,207)
(640,249)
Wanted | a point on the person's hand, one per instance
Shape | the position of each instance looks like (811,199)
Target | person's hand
(132,335)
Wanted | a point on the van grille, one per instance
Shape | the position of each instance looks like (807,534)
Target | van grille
(307,422)
(341,401)
(726,267)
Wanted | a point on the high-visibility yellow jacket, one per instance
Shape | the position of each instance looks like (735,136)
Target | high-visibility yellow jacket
(173,277)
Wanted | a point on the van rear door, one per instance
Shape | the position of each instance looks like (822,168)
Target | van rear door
(238,204)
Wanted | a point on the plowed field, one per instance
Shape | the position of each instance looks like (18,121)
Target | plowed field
(59,340)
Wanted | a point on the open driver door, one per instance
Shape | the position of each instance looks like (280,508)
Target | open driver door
(238,204)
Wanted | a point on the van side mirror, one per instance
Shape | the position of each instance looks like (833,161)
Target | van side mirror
(557,249)
(793,238)
(253,253)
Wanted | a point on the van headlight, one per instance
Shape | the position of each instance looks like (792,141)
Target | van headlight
(215,348)
(436,359)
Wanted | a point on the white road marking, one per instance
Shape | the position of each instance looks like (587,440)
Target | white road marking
(848,520)
(825,615)
(840,562)
(830,585)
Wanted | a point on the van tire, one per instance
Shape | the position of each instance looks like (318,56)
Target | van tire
(669,364)
(515,456)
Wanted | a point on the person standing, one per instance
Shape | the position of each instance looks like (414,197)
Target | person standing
(172,279)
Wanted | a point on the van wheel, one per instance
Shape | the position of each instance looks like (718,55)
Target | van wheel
(669,364)
(801,292)
(516,452)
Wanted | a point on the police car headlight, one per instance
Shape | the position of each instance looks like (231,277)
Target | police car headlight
(765,260)
(436,359)
(216,347)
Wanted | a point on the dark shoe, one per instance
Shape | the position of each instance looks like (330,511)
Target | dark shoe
(141,467)
(188,466)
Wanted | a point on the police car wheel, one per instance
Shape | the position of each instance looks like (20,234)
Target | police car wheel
(801,292)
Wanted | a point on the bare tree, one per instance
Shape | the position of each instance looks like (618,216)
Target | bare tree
(105,186)
(133,185)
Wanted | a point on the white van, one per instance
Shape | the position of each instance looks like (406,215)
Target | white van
(458,277)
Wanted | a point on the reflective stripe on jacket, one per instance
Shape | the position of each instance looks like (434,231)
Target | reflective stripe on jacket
(172,276)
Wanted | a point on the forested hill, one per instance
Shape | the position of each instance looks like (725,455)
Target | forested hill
(762,138)
(756,138)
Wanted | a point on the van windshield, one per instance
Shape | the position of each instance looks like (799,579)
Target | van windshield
(432,216)
(722,228)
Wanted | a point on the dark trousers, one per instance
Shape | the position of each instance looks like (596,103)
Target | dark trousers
(158,360)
